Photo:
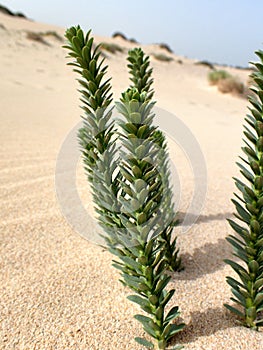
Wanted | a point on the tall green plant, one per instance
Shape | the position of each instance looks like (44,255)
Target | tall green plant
(248,244)
(143,195)
(140,75)
(130,191)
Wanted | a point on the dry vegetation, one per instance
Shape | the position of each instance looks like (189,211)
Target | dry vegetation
(226,83)
(161,57)
(111,47)
(36,37)
(8,12)
(231,85)
(40,37)
(205,64)
(165,47)
(123,37)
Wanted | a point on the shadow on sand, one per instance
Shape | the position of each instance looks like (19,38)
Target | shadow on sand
(205,323)
(208,258)
(204,260)
(202,218)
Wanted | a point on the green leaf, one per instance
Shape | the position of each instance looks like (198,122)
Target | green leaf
(171,329)
(235,243)
(258,183)
(136,118)
(253,266)
(131,263)
(143,319)
(252,209)
(154,300)
(132,281)
(138,300)
(142,218)
(239,296)
(239,229)
(172,314)
(161,284)
(234,310)
(167,297)
(144,342)
(246,173)
(234,283)
(137,171)
(249,152)
(242,212)
(258,300)
(235,266)
(258,284)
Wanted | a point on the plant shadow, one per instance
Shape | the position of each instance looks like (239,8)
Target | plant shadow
(201,218)
(204,260)
(205,323)
(208,258)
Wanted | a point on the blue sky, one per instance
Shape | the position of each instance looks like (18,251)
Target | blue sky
(222,31)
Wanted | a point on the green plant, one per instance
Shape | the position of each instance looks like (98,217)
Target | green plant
(215,76)
(132,193)
(248,245)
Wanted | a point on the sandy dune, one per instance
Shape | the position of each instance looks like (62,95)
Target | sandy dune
(58,290)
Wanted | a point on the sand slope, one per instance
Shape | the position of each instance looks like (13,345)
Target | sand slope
(58,290)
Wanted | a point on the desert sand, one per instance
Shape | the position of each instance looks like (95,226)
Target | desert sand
(58,290)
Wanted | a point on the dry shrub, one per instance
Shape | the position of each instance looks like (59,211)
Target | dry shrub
(52,33)
(231,85)
(38,37)
(6,11)
(206,64)
(165,47)
(161,57)
(110,47)
(119,35)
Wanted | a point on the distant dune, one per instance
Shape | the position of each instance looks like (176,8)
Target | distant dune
(58,290)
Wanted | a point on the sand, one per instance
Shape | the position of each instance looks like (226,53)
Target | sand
(58,290)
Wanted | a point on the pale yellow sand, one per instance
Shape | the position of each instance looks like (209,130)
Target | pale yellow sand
(58,290)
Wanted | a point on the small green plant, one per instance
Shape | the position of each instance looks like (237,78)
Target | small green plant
(248,244)
(111,47)
(215,76)
(131,190)
(161,57)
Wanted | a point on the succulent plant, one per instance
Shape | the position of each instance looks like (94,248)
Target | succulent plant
(130,182)
(248,243)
